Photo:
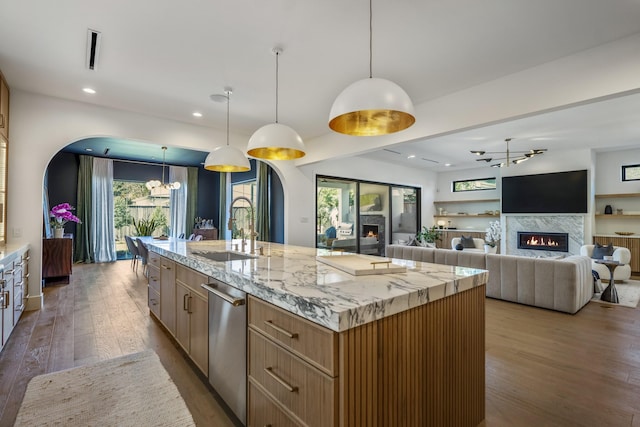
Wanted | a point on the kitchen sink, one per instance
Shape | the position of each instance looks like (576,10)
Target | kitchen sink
(224,256)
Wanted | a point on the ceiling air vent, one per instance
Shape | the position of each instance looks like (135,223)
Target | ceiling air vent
(93,48)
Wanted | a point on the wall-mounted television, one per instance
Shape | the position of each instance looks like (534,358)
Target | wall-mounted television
(559,192)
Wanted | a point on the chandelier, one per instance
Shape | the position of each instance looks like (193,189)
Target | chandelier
(154,183)
(515,157)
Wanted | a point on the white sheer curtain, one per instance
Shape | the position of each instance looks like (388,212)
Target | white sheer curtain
(178,201)
(104,245)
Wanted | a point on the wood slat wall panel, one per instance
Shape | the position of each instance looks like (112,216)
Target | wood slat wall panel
(632,244)
(423,367)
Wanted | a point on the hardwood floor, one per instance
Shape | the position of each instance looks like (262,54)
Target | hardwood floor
(543,368)
(101,314)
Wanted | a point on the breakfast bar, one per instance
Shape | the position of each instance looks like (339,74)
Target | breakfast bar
(329,348)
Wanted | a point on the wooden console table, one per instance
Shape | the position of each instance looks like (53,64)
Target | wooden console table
(57,259)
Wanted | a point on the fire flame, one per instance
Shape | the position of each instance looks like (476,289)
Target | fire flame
(540,241)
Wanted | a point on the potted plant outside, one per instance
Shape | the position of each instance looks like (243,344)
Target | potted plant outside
(146,227)
(428,236)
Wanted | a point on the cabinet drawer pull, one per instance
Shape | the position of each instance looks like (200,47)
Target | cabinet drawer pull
(27,258)
(153,278)
(281,330)
(184,302)
(189,305)
(3,283)
(6,299)
(1,120)
(165,267)
(9,271)
(20,308)
(282,382)
(26,276)
(20,264)
(153,301)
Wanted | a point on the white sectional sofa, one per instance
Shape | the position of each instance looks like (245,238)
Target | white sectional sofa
(557,284)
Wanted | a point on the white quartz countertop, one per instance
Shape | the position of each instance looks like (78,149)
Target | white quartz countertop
(10,250)
(291,278)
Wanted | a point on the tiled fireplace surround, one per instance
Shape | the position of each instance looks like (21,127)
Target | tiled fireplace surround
(572,224)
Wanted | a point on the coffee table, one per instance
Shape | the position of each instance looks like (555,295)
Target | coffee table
(610,294)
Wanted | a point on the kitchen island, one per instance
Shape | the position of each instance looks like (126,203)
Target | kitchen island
(329,348)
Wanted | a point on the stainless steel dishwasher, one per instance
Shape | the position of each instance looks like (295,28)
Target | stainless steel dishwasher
(228,345)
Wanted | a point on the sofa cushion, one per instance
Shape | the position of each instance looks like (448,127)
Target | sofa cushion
(600,251)
(467,242)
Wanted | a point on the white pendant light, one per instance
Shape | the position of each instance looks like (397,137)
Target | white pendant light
(226,158)
(276,141)
(154,183)
(372,106)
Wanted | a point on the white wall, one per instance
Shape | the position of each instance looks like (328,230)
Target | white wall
(41,126)
(609,172)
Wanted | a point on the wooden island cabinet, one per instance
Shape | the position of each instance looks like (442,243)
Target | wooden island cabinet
(421,367)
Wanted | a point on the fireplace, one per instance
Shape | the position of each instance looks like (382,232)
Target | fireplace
(369,230)
(540,241)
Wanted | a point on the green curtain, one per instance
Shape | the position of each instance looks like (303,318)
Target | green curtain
(263,217)
(82,241)
(222,214)
(192,199)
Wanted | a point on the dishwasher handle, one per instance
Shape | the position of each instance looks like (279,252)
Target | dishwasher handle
(211,287)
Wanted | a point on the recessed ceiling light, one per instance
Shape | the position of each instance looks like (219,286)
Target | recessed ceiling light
(447,164)
(197,114)
(411,156)
(88,90)
(88,149)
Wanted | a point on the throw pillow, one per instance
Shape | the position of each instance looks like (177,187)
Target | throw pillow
(600,251)
(467,242)
(459,247)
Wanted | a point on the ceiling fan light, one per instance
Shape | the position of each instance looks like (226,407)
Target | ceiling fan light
(275,141)
(520,160)
(370,107)
(227,159)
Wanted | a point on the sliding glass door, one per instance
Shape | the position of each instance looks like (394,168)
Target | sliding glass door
(364,217)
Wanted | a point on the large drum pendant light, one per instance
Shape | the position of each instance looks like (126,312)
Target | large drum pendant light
(276,141)
(226,158)
(371,106)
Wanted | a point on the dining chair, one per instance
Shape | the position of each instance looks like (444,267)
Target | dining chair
(143,251)
(133,250)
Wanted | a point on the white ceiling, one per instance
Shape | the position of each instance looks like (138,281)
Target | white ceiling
(165,58)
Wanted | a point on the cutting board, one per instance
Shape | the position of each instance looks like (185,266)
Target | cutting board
(362,265)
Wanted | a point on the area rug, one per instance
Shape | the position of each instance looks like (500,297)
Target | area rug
(132,390)
(628,294)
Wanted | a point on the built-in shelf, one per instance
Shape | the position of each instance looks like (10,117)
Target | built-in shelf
(466,215)
(617,216)
(616,196)
(465,201)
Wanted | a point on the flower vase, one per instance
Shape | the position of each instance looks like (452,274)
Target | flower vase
(58,233)
(490,249)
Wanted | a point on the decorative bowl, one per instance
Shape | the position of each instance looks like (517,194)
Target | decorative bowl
(624,233)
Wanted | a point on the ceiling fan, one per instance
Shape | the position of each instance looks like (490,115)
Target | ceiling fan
(520,156)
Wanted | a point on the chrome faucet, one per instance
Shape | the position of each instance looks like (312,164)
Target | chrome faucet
(252,233)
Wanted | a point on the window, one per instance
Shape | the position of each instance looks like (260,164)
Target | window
(474,184)
(241,209)
(631,173)
(133,200)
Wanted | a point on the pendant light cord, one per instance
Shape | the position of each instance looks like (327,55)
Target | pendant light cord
(370,38)
(228,101)
(164,156)
(277,55)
